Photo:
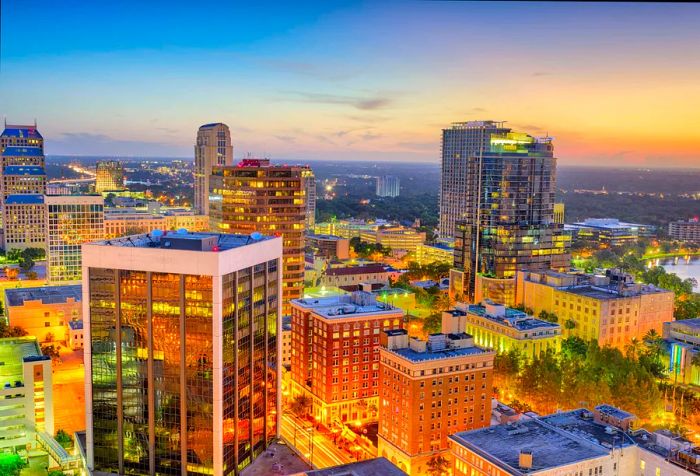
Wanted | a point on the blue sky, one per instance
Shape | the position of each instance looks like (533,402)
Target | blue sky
(613,83)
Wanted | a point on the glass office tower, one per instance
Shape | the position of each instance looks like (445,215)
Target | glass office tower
(182,373)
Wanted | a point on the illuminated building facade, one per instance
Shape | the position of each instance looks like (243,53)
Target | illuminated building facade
(610,231)
(328,246)
(121,223)
(436,253)
(335,354)
(559,209)
(395,237)
(24,219)
(213,147)
(685,230)
(429,390)
(611,309)
(501,328)
(497,200)
(388,186)
(181,354)
(255,196)
(23,179)
(21,136)
(26,393)
(109,176)
(683,338)
(71,220)
(310,184)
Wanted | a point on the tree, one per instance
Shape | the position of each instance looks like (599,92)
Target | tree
(300,405)
(64,439)
(26,264)
(49,337)
(52,351)
(11,464)
(11,331)
(437,465)
(433,323)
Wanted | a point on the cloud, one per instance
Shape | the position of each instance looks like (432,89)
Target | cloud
(85,143)
(419,146)
(542,73)
(362,103)
(288,139)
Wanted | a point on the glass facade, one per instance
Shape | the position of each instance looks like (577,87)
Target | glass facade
(153,366)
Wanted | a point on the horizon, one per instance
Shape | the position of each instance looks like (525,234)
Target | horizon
(596,76)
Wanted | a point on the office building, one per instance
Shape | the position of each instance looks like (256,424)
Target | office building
(44,312)
(23,179)
(388,186)
(611,309)
(22,136)
(181,354)
(429,390)
(256,196)
(559,213)
(335,354)
(495,326)
(26,393)
(122,222)
(24,220)
(310,185)
(497,201)
(71,220)
(395,237)
(328,246)
(350,278)
(610,231)
(109,176)
(685,230)
(212,147)
(683,339)
(435,253)
(348,228)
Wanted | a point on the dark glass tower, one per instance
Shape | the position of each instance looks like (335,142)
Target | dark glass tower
(182,372)
(498,201)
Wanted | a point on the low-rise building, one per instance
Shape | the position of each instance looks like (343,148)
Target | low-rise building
(122,222)
(395,237)
(75,335)
(435,253)
(429,390)
(328,246)
(610,231)
(44,310)
(335,354)
(683,230)
(610,308)
(350,277)
(683,339)
(501,328)
(26,396)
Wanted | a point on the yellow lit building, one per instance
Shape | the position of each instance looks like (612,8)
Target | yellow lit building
(437,253)
(395,237)
(610,309)
(559,213)
(117,223)
(501,328)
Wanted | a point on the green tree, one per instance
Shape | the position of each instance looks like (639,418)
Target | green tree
(64,439)
(11,464)
(437,465)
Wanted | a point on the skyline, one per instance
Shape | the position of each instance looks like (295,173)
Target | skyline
(353,80)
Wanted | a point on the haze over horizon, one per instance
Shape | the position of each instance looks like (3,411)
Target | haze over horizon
(615,84)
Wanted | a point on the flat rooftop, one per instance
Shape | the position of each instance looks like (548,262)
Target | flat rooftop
(413,356)
(324,237)
(513,318)
(14,351)
(184,240)
(575,423)
(693,324)
(614,412)
(370,467)
(502,444)
(600,292)
(46,294)
(339,307)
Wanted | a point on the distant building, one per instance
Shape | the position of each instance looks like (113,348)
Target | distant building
(427,391)
(436,253)
(44,310)
(388,186)
(76,337)
(610,231)
(212,147)
(335,354)
(559,213)
(348,228)
(351,277)
(183,329)
(26,391)
(395,237)
(610,309)
(71,220)
(501,328)
(370,467)
(118,222)
(578,442)
(329,246)
(685,230)
(683,338)
(310,185)
(109,176)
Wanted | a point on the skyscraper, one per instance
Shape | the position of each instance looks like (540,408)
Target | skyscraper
(497,199)
(181,370)
(24,184)
(271,199)
(109,176)
(388,186)
(71,220)
(310,184)
(213,147)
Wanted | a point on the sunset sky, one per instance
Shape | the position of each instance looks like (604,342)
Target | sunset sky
(614,84)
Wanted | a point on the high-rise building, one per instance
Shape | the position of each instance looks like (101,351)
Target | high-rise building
(213,147)
(497,199)
(429,390)
(559,209)
(335,354)
(181,354)
(388,186)
(23,179)
(271,199)
(71,220)
(21,136)
(310,185)
(109,176)
(24,220)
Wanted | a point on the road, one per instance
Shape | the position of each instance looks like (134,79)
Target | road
(316,447)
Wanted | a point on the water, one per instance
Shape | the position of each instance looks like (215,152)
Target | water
(684,268)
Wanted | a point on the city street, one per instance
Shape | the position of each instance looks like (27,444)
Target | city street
(314,446)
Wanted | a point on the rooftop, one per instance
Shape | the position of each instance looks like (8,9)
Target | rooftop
(693,324)
(370,467)
(24,199)
(410,354)
(314,236)
(358,303)
(370,268)
(21,131)
(12,151)
(580,423)
(513,318)
(45,294)
(614,412)
(14,351)
(184,240)
(550,448)
(75,325)
(24,170)
(611,292)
